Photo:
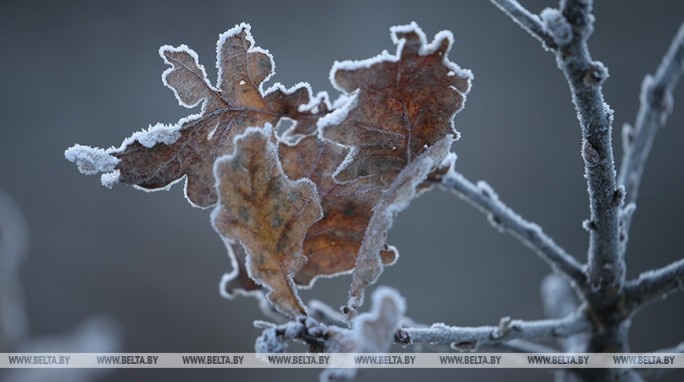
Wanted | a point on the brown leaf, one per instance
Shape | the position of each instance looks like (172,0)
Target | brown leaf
(331,245)
(400,104)
(157,158)
(395,199)
(268,213)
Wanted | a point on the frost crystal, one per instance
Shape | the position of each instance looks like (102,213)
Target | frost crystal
(91,160)
(109,179)
(557,26)
(159,133)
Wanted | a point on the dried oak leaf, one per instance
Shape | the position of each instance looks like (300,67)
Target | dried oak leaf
(268,213)
(331,245)
(160,156)
(401,104)
(403,189)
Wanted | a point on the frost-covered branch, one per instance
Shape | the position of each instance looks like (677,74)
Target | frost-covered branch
(653,285)
(527,20)
(570,27)
(507,330)
(275,337)
(501,216)
(655,106)
(585,77)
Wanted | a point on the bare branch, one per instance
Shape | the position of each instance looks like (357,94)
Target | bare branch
(527,20)
(654,285)
(506,331)
(585,77)
(482,197)
(655,106)
(569,28)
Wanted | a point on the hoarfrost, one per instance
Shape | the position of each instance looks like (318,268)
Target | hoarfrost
(343,106)
(91,160)
(270,342)
(158,133)
(556,25)
(312,106)
(109,179)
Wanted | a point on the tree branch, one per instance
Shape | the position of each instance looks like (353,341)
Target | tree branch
(527,20)
(482,197)
(606,265)
(506,331)
(654,285)
(569,28)
(655,106)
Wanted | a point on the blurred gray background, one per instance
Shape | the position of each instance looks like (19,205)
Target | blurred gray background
(88,72)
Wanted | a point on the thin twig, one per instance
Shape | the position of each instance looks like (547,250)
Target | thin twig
(655,106)
(653,285)
(527,20)
(487,335)
(482,197)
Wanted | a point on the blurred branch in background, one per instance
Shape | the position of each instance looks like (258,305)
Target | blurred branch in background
(97,334)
